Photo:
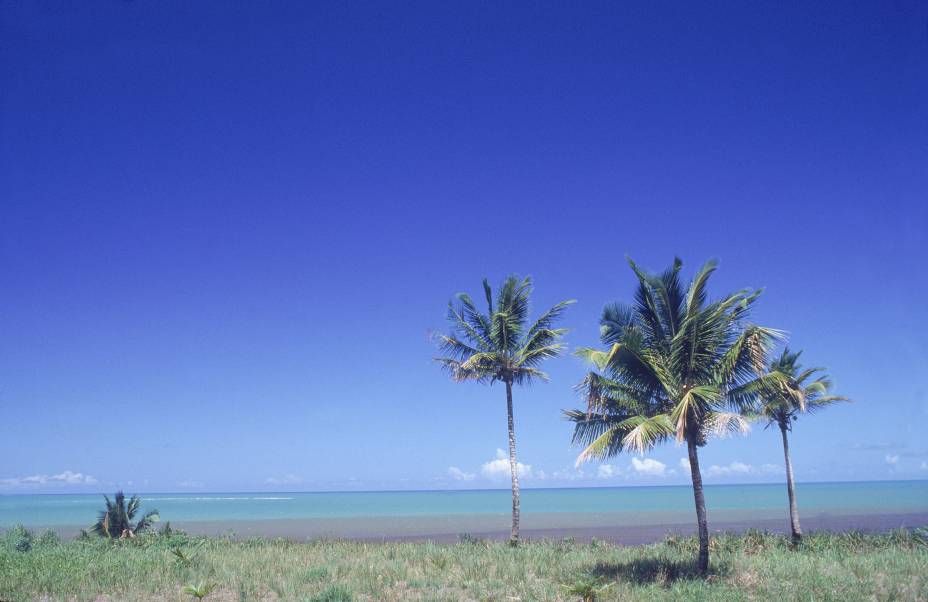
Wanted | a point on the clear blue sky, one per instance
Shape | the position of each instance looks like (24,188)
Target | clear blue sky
(227,231)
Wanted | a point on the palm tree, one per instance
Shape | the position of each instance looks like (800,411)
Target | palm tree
(116,519)
(677,366)
(780,403)
(500,346)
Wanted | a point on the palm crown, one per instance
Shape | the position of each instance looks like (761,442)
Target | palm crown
(677,365)
(794,390)
(499,345)
(116,519)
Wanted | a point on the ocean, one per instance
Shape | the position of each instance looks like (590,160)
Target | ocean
(490,508)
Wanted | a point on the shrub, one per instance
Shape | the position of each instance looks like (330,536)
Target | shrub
(334,593)
(48,538)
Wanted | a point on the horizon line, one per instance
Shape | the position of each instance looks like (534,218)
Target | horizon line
(476,489)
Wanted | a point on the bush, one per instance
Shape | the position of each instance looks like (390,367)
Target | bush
(48,538)
(334,593)
(468,539)
(18,538)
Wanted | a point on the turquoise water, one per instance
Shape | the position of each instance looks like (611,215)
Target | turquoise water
(855,497)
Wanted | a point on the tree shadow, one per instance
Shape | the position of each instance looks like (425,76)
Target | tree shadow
(659,571)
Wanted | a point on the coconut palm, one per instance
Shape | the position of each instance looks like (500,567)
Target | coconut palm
(501,346)
(677,366)
(116,519)
(795,390)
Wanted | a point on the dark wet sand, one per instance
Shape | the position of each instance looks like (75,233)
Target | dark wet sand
(620,528)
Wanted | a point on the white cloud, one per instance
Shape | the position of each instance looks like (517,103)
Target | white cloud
(892,459)
(649,466)
(287,479)
(732,468)
(459,475)
(64,478)
(924,465)
(499,468)
(606,471)
(685,464)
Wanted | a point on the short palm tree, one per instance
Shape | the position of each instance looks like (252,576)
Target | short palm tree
(199,590)
(501,346)
(677,366)
(792,391)
(116,519)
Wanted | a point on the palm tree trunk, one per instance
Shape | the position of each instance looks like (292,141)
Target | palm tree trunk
(791,491)
(700,500)
(513,467)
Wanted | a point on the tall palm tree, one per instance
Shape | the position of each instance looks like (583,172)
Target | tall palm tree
(677,366)
(116,519)
(792,391)
(501,346)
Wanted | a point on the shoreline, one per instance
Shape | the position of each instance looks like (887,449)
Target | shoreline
(619,528)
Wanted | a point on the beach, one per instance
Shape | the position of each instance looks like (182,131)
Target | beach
(622,515)
(613,528)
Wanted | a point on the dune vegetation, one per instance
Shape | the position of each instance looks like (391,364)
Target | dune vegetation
(152,566)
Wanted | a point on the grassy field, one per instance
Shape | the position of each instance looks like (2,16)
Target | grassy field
(754,566)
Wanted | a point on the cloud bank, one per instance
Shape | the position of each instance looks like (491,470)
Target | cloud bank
(67,477)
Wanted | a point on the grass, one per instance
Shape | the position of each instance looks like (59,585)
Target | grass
(753,566)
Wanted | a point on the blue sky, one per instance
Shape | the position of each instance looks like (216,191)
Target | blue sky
(227,232)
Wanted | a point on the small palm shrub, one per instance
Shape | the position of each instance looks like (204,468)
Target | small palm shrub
(586,588)
(199,590)
(116,519)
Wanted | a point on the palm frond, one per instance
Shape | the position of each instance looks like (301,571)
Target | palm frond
(469,322)
(820,403)
(787,395)
(696,293)
(603,446)
(526,375)
(146,521)
(722,424)
(604,394)
(693,408)
(533,357)
(616,319)
(546,320)
(644,432)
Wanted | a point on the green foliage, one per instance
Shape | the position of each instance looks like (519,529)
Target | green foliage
(116,519)
(48,538)
(471,540)
(334,593)
(675,366)
(183,558)
(199,590)
(788,390)
(24,544)
(500,345)
(587,588)
(752,566)
(18,538)
(317,573)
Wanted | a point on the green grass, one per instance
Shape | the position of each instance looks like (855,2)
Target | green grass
(754,566)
